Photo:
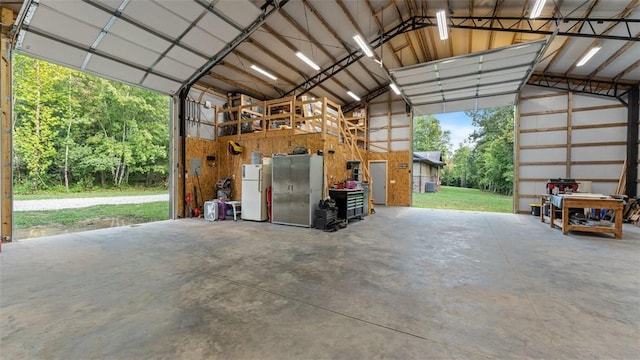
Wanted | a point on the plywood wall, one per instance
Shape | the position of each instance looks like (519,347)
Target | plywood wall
(398,176)
(567,135)
(203,150)
(201,142)
(231,165)
(336,157)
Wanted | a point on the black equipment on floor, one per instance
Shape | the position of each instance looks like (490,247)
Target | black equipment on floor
(325,216)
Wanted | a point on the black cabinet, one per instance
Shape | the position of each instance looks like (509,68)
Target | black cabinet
(350,202)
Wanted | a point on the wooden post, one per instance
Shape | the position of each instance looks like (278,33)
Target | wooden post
(569,120)
(516,156)
(389,122)
(324,118)
(6,130)
(632,142)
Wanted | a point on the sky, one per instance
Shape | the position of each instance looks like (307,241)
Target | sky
(458,123)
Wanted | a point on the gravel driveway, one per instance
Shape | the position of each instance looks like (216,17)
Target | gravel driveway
(56,204)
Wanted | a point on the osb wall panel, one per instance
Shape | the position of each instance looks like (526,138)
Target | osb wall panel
(231,165)
(398,175)
(200,149)
(336,162)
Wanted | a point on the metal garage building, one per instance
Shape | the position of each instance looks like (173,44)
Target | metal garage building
(571,68)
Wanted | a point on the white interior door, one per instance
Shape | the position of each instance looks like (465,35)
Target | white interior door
(378,170)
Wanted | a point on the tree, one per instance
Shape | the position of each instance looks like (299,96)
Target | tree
(37,118)
(493,152)
(429,136)
(73,128)
(460,169)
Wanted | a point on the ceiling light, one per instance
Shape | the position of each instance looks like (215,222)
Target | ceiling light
(263,72)
(354,96)
(537,9)
(395,89)
(588,56)
(363,46)
(442,24)
(308,61)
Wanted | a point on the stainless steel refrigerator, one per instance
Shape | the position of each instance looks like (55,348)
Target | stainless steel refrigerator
(256,178)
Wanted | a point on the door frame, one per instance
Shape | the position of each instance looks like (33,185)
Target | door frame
(386,179)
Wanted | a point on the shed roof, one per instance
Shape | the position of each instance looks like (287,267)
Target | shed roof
(429,157)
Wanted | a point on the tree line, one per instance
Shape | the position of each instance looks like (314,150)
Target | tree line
(75,131)
(484,161)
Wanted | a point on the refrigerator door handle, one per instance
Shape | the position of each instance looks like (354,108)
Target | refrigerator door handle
(260,180)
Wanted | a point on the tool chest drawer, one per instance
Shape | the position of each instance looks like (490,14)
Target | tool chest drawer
(350,202)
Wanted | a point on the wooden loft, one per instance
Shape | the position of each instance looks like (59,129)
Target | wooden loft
(247,118)
(287,116)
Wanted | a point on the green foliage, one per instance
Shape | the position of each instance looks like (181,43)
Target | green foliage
(460,169)
(429,136)
(78,130)
(488,165)
(134,213)
(37,121)
(456,198)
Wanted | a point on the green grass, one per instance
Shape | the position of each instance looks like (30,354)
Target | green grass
(134,213)
(454,198)
(90,194)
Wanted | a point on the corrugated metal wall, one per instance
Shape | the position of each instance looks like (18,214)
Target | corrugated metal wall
(390,127)
(567,135)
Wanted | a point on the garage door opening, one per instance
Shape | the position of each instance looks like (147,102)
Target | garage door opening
(464,160)
(88,152)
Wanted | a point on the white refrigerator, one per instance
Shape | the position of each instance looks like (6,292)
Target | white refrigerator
(256,178)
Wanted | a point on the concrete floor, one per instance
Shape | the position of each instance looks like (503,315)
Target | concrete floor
(404,283)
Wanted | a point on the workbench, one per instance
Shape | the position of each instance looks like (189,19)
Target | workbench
(582,201)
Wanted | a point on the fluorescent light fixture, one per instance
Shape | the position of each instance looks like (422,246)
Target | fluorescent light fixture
(588,55)
(354,96)
(395,89)
(263,72)
(442,25)
(537,9)
(363,46)
(308,61)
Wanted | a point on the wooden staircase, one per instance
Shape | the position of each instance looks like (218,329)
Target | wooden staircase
(348,132)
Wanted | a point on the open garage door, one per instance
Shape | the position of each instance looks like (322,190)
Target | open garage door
(159,45)
(481,80)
